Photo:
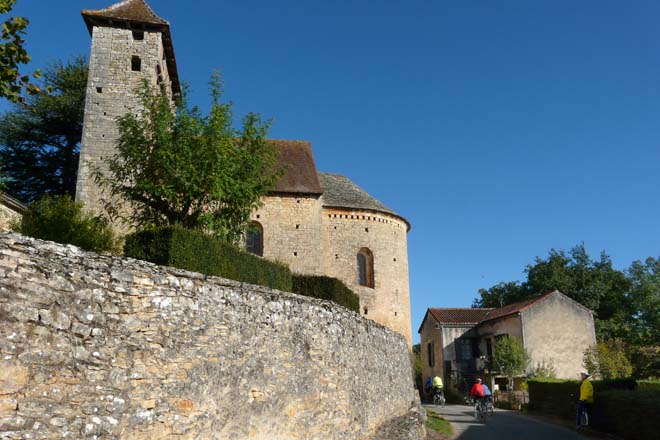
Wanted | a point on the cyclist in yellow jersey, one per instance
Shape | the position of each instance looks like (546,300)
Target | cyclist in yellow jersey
(586,397)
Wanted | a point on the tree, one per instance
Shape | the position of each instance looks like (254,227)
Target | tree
(593,283)
(180,167)
(62,220)
(644,301)
(12,55)
(608,360)
(40,140)
(510,357)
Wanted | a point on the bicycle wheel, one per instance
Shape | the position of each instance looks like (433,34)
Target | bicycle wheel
(584,418)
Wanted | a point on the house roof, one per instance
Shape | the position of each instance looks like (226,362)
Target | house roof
(12,203)
(477,316)
(512,309)
(340,192)
(137,14)
(296,161)
(460,316)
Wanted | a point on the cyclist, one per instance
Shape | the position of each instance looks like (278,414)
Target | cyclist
(586,397)
(437,388)
(477,390)
(488,396)
(428,386)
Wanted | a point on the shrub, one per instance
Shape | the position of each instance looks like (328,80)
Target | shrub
(649,385)
(327,288)
(629,414)
(619,407)
(62,220)
(198,252)
(608,360)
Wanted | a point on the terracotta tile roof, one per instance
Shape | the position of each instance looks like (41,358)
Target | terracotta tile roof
(137,14)
(516,307)
(460,316)
(340,192)
(297,161)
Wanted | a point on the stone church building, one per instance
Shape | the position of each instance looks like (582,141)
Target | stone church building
(317,223)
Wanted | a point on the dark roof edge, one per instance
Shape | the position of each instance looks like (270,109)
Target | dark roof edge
(424,320)
(316,194)
(12,203)
(168,46)
(351,208)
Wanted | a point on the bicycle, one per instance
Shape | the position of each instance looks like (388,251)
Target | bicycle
(582,416)
(480,412)
(439,397)
(489,407)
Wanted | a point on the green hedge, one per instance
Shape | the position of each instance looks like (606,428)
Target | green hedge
(327,288)
(621,406)
(198,252)
(649,385)
(628,414)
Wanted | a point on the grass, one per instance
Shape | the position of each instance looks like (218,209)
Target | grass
(436,423)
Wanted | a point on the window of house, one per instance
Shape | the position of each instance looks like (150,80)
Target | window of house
(464,349)
(431,354)
(138,35)
(136,64)
(254,239)
(365,261)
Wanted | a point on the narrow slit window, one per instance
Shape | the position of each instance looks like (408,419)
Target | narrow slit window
(365,262)
(136,64)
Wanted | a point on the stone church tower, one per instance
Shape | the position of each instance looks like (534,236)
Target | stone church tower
(130,44)
(316,223)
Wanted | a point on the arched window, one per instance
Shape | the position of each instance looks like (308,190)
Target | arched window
(254,239)
(365,261)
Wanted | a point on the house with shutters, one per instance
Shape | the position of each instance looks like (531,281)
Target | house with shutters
(458,343)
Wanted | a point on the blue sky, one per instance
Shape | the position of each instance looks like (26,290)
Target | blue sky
(499,129)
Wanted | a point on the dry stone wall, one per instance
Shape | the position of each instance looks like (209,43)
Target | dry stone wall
(8,217)
(100,347)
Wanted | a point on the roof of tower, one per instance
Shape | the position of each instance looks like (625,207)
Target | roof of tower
(296,160)
(340,192)
(128,10)
(138,15)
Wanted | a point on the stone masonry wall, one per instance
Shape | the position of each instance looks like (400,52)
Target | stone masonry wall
(100,347)
(292,231)
(345,232)
(7,217)
(110,94)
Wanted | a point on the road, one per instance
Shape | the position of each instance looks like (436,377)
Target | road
(503,425)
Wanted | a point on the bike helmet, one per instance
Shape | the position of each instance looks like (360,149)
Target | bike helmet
(585,373)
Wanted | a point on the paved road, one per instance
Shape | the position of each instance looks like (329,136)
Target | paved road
(503,425)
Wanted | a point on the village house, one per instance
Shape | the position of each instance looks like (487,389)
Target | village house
(458,344)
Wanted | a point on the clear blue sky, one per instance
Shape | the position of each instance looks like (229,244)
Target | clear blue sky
(499,129)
